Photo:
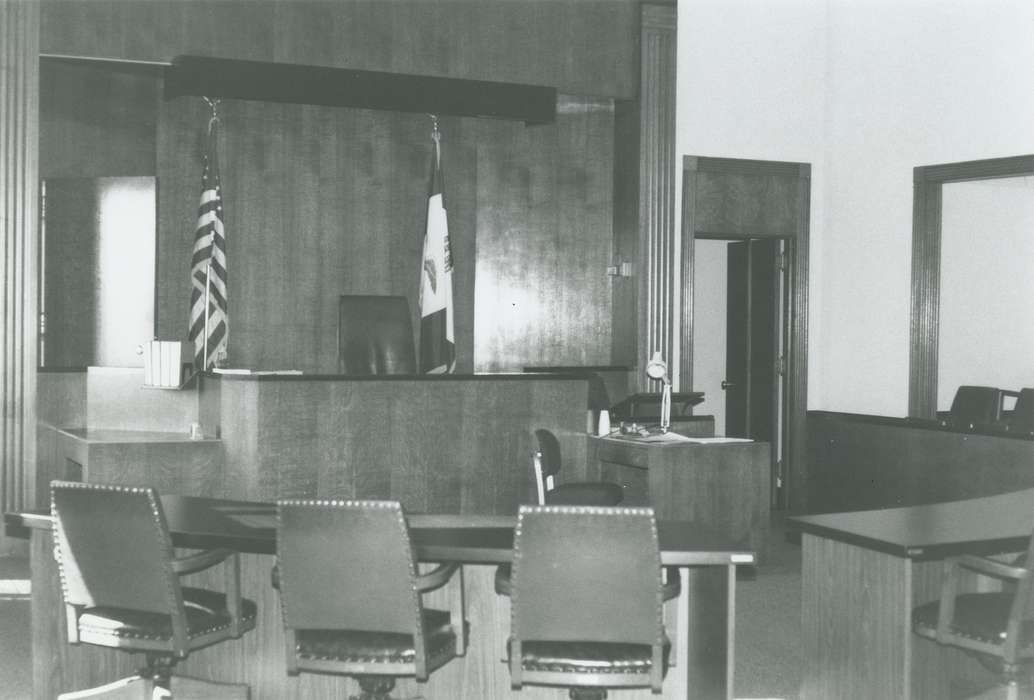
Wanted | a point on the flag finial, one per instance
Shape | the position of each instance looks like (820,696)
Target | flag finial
(435,134)
(213,104)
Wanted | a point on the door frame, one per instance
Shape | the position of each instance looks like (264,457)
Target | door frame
(732,198)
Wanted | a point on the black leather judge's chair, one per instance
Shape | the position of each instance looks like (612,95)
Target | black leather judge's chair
(586,610)
(997,627)
(375,335)
(973,407)
(352,598)
(121,587)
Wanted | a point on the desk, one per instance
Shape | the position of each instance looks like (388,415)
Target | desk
(722,486)
(863,572)
(703,629)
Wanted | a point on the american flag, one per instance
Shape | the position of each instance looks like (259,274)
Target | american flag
(208,324)
(437,338)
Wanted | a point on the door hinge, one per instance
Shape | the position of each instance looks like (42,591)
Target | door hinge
(781,261)
(42,324)
(780,365)
(779,474)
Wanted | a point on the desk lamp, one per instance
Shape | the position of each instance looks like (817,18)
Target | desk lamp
(657,368)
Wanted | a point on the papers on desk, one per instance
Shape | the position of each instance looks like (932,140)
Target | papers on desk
(678,437)
(257,372)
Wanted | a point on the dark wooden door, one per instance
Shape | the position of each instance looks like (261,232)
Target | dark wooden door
(752,347)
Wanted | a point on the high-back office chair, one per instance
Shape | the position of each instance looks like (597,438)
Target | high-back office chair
(546,464)
(586,610)
(974,407)
(121,587)
(997,628)
(375,335)
(352,599)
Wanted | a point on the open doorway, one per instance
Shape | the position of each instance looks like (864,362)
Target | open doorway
(762,206)
(740,339)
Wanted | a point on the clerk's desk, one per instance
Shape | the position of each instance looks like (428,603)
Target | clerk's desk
(862,572)
(702,630)
(724,486)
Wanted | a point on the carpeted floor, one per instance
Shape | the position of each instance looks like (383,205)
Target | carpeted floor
(768,624)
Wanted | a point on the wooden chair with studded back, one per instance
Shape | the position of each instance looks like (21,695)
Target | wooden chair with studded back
(352,598)
(121,584)
(375,335)
(586,608)
(997,628)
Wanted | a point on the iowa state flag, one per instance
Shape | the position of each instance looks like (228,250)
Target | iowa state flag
(437,338)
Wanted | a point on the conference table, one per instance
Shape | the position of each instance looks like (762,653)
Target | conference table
(700,620)
(862,573)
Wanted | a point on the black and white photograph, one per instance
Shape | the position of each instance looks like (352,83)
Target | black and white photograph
(517,349)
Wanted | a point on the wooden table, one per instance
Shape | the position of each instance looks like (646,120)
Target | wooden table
(863,572)
(701,623)
(723,486)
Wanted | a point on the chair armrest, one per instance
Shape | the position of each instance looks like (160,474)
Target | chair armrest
(200,561)
(990,567)
(436,578)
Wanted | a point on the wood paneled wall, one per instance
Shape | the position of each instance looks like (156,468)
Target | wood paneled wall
(586,47)
(19,106)
(322,201)
(97,119)
(858,462)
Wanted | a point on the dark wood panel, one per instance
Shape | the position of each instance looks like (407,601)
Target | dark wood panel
(859,463)
(581,46)
(321,202)
(270,81)
(97,120)
(624,290)
(456,445)
(544,230)
(742,204)
(724,487)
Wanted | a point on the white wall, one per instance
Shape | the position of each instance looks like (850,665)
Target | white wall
(864,90)
(751,84)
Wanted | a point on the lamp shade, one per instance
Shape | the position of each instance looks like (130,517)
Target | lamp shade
(657,368)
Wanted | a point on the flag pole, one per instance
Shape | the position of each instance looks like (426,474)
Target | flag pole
(204,355)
